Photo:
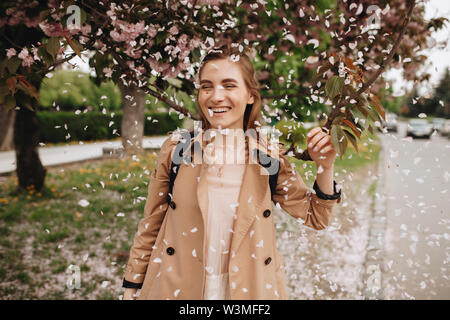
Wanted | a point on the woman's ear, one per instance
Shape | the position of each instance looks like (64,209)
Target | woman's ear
(251,100)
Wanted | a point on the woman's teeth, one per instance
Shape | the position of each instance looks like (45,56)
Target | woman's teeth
(219,110)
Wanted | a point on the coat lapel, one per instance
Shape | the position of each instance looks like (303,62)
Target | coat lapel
(252,193)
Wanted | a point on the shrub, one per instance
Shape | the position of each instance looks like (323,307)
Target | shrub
(71,90)
(66,126)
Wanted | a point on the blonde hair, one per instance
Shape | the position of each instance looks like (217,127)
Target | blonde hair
(252,115)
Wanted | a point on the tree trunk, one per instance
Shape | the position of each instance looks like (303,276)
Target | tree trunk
(6,129)
(132,128)
(30,172)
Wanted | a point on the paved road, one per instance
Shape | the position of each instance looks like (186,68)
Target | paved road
(417,186)
(72,153)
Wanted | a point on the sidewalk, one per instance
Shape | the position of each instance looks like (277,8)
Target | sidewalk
(72,153)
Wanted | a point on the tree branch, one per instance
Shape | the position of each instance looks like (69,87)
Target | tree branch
(305,155)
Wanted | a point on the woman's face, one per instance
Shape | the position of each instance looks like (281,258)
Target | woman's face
(222,88)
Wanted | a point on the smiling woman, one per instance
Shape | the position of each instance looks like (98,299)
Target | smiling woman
(210,233)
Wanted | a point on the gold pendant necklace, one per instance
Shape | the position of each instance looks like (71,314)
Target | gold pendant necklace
(220,172)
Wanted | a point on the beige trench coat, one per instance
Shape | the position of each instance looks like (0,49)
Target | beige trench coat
(168,249)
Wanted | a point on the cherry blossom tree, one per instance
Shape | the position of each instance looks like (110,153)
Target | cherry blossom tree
(308,55)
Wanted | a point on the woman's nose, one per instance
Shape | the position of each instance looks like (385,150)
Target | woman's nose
(218,93)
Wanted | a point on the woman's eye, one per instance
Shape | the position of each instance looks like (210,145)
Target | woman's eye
(227,86)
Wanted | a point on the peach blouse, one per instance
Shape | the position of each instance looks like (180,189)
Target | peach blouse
(224,177)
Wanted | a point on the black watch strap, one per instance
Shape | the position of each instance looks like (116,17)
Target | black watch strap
(129,284)
(324,196)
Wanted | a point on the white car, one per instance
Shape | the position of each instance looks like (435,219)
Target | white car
(419,128)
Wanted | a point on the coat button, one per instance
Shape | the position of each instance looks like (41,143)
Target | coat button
(172,204)
(268,260)
(170,251)
(266,213)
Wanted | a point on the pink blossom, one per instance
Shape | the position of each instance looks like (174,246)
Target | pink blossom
(28,61)
(107,72)
(173,30)
(133,52)
(34,50)
(194,43)
(53,29)
(10,52)
(23,54)
(86,29)
(127,32)
(115,35)
(152,31)
(184,53)
(155,65)
(183,41)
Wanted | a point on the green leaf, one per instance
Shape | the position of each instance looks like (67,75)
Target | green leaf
(75,45)
(13,64)
(338,139)
(45,56)
(160,37)
(2,67)
(44,14)
(52,46)
(10,102)
(352,139)
(11,82)
(377,104)
(334,86)
(196,54)
(29,89)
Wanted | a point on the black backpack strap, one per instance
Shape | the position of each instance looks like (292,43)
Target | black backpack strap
(273,167)
(180,148)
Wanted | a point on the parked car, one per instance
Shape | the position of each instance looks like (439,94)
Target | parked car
(445,131)
(419,128)
(391,123)
(438,124)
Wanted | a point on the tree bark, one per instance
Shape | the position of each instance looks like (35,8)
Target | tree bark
(132,128)
(7,129)
(30,172)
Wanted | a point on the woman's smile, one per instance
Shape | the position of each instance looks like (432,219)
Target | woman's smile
(218,111)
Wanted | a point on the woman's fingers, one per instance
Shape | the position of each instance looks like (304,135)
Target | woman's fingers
(321,143)
(312,132)
(316,136)
(327,149)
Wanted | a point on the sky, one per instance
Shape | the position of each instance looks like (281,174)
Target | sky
(438,62)
(438,58)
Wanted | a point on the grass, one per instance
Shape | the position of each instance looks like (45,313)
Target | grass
(43,232)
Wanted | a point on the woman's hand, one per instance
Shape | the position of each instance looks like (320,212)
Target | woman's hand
(320,148)
(129,294)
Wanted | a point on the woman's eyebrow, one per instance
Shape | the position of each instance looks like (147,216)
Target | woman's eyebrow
(224,80)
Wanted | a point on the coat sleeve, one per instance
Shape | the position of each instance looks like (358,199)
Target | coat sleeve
(154,212)
(299,201)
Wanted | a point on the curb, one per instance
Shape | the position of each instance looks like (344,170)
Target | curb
(374,263)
